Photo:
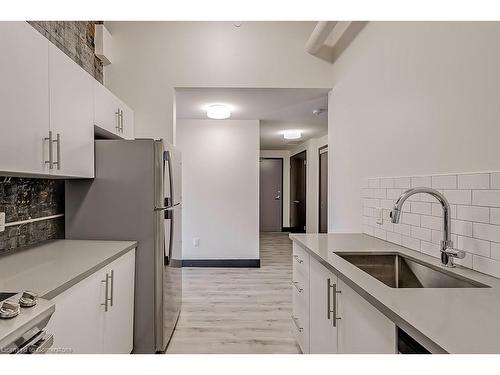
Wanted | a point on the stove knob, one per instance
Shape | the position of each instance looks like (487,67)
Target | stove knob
(28,299)
(9,309)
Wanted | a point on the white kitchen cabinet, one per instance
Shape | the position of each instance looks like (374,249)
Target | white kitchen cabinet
(71,116)
(362,329)
(112,114)
(81,324)
(24,98)
(322,297)
(300,297)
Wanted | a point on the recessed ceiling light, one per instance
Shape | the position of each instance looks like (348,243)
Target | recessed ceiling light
(218,111)
(292,134)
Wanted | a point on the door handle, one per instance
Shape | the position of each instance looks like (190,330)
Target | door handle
(296,285)
(117,113)
(295,321)
(333,310)
(57,141)
(51,155)
(296,201)
(107,292)
(112,277)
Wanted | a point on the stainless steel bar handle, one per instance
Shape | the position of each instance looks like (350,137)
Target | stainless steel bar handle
(328,300)
(295,321)
(117,113)
(298,259)
(57,141)
(112,277)
(296,285)
(51,155)
(121,120)
(106,293)
(334,310)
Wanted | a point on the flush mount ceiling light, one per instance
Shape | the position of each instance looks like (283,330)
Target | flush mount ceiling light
(218,111)
(292,134)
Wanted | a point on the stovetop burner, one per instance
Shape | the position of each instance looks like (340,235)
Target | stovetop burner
(5,295)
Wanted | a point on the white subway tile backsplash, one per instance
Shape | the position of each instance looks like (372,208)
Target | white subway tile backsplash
(421,233)
(420,181)
(473,245)
(495,215)
(423,208)
(458,196)
(431,222)
(486,265)
(463,228)
(495,180)
(402,182)
(474,181)
(473,213)
(444,182)
(386,182)
(489,198)
(487,232)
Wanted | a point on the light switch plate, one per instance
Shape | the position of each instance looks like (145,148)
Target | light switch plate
(2,221)
(379,218)
(196,242)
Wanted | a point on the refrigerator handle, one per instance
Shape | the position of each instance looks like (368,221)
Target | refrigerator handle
(167,158)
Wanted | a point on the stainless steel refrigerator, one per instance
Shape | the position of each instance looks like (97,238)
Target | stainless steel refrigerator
(136,195)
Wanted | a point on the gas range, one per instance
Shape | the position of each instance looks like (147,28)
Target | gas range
(22,318)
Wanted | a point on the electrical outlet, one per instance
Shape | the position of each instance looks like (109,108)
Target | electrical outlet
(2,221)
(196,242)
(379,216)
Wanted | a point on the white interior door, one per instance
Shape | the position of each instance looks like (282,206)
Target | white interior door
(24,98)
(71,116)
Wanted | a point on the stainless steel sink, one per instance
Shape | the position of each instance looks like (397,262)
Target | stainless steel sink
(399,271)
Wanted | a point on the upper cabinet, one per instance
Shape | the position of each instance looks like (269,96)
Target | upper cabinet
(111,114)
(71,116)
(49,106)
(24,98)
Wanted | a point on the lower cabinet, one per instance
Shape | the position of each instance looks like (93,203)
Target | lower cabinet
(339,319)
(97,314)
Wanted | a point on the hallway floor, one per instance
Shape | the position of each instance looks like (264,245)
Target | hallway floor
(239,310)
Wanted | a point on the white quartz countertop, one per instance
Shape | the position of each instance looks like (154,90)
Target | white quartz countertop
(51,268)
(452,320)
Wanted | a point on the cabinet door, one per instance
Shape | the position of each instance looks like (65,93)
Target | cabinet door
(106,109)
(24,97)
(71,116)
(322,332)
(77,322)
(118,329)
(362,328)
(127,121)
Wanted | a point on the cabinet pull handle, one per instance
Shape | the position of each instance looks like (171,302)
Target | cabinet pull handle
(296,285)
(328,300)
(106,294)
(121,120)
(57,141)
(117,113)
(51,156)
(334,304)
(112,286)
(295,321)
(298,259)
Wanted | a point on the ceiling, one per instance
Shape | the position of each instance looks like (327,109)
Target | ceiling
(277,110)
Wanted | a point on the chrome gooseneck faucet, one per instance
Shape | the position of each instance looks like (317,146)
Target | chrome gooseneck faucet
(448,253)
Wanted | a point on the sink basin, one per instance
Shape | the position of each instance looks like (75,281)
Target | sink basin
(399,271)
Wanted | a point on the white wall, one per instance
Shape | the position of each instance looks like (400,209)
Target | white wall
(220,179)
(151,58)
(312,147)
(412,98)
(285,194)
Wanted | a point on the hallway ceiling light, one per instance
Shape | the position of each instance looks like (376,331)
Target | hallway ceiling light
(292,134)
(218,111)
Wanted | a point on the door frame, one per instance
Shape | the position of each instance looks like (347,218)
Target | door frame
(282,187)
(321,151)
(305,187)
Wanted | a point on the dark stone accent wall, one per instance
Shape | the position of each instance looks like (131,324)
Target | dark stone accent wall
(75,39)
(25,198)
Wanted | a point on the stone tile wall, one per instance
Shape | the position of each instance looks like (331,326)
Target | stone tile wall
(75,39)
(29,198)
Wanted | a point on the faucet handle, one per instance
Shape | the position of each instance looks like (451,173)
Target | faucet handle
(455,253)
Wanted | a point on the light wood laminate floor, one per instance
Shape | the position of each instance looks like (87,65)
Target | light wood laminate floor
(239,310)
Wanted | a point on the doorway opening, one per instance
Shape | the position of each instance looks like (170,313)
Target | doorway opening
(298,186)
(271,195)
(323,190)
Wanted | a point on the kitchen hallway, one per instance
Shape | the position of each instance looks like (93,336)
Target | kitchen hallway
(239,310)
